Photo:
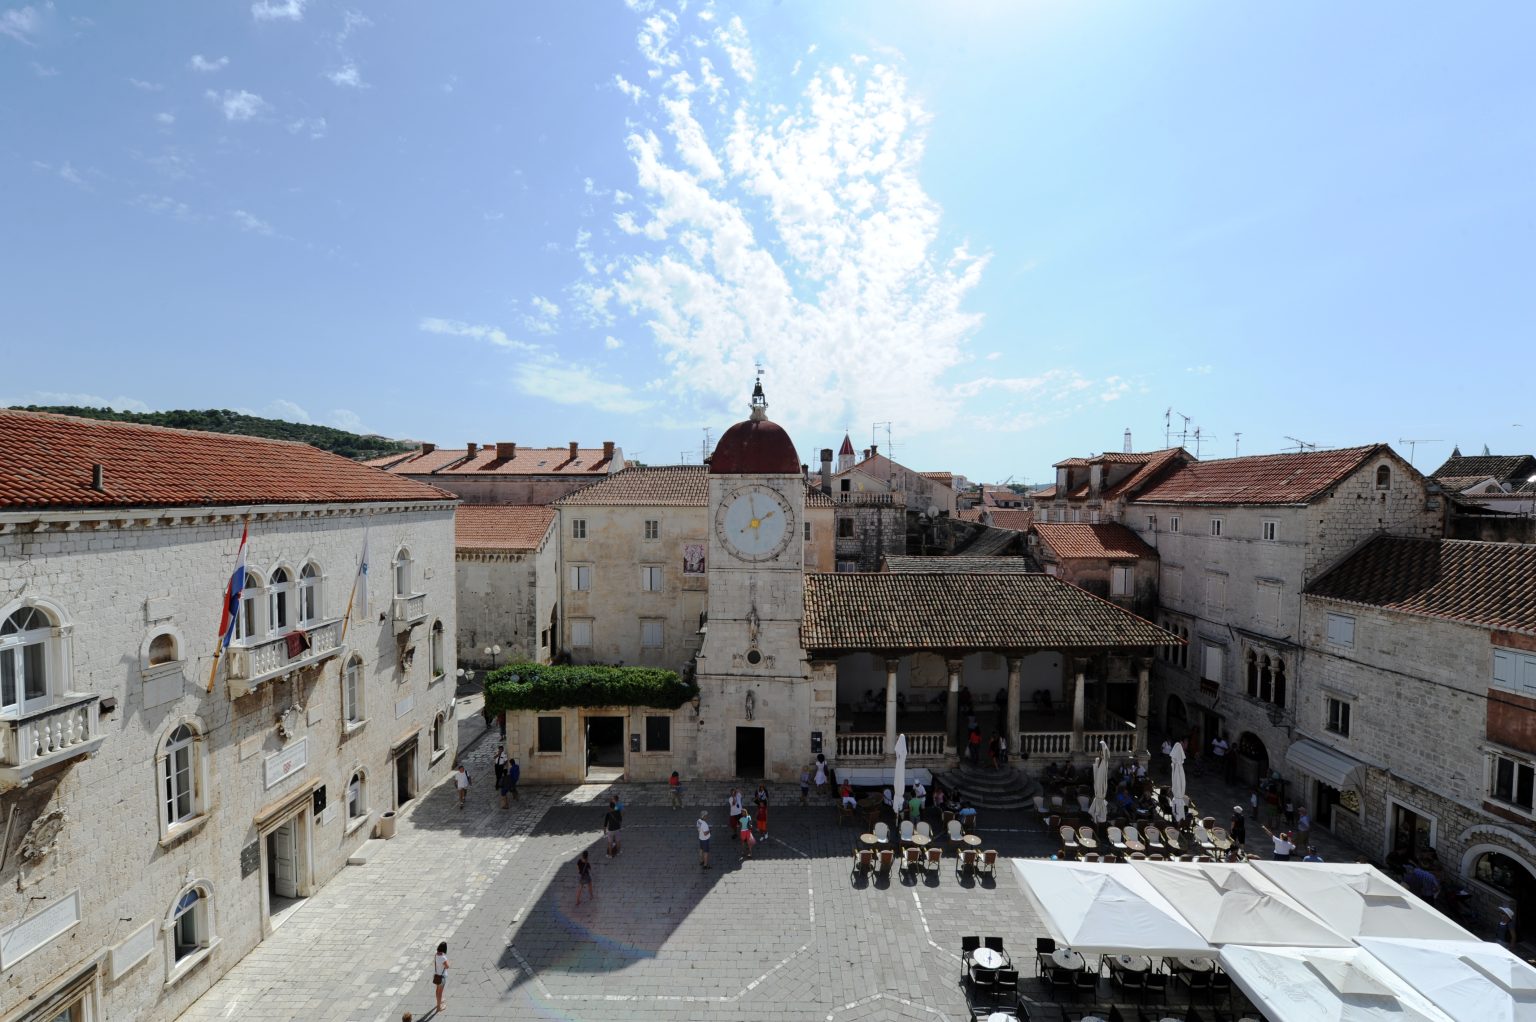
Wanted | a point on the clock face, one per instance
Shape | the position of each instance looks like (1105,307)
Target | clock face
(754,523)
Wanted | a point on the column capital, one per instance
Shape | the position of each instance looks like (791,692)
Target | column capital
(1014,664)
(892,664)
(955,664)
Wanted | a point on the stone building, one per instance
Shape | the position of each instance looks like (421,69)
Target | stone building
(162,817)
(508,583)
(1416,726)
(1238,540)
(1107,559)
(1090,490)
(504,473)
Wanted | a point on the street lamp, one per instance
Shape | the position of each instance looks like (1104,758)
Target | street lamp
(493,652)
(467,675)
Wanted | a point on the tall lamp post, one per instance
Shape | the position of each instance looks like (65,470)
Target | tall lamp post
(493,652)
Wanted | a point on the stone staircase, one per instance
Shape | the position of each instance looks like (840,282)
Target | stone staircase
(1005,788)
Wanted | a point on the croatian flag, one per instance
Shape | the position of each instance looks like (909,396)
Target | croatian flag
(232,595)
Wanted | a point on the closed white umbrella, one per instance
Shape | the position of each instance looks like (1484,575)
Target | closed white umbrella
(1099,810)
(899,780)
(1178,798)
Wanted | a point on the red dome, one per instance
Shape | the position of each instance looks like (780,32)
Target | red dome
(755,447)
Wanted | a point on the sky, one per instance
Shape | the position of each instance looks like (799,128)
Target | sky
(983,235)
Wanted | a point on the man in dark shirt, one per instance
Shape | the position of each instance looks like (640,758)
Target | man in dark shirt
(613,822)
(584,877)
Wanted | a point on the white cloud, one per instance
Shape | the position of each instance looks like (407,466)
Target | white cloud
(351,21)
(347,76)
(575,385)
(278,10)
(253,224)
(545,317)
(612,343)
(314,127)
(345,418)
(68,173)
(477,331)
(239,105)
(21,24)
(139,83)
(285,409)
(56,397)
(798,234)
(165,118)
(630,89)
(164,204)
(207,65)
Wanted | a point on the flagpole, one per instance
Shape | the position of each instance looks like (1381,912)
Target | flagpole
(218,646)
(347,617)
(360,575)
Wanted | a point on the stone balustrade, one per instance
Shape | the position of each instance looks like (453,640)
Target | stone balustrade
(410,611)
(255,661)
(42,738)
(1118,741)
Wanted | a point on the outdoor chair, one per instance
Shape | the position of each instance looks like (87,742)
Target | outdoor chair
(1086,838)
(925,829)
(907,831)
(1116,837)
(1171,834)
(1069,839)
(1007,988)
(984,986)
(1186,858)
(1155,982)
(1153,840)
(1086,981)
(946,817)
(1090,857)
(911,860)
(935,859)
(882,833)
(956,834)
(965,862)
(887,857)
(1128,980)
(1084,802)
(863,859)
(1056,803)
(1154,857)
(1133,840)
(1221,986)
(1203,839)
(1043,948)
(1040,806)
(844,814)
(988,864)
(967,946)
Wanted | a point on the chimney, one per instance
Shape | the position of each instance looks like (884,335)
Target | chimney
(874,449)
(471,449)
(608,450)
(864,454)
(826,470)
(573,450)
(428,448)
(98,482)
(505,451)
(805,471)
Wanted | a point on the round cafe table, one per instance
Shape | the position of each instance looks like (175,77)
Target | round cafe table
(973,840)
(869,839)
(921,840)
(1066,958)
(1196,964)
(987,958)
(1002,1016)
(1132,963)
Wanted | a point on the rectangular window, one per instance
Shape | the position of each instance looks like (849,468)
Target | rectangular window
(652,528)
(1215,526)
(1173,523)
(1338,717)
(1514,671)
(658,734)
(1215,593)
(1151,523)
(650,634)
(551,734)
(581,578)
(1211,668)
(807,531)
(1173,583)
(845,528)
(1341,630)
(578,528)
(1270,531)
(1120,580)
(651,578)
(1513,782)
(581,632)
(1269,602)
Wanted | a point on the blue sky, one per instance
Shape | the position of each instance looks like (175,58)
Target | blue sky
(1010,230)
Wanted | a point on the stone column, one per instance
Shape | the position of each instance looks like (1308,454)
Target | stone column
(1011,730)
(1078,688)
(1143,702)
(952,707)
(891,666)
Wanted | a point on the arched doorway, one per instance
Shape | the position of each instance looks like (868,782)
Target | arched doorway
(1252,759)
(1176,720)
(1512,880)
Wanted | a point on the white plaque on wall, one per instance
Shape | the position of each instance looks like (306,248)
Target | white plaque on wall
(23,938)
(328,814)
(133,950)
(405,706)
(288,762)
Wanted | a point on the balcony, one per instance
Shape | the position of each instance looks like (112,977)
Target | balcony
(39,739)
(869,746)
(410,611)
(869,498)
(257,660)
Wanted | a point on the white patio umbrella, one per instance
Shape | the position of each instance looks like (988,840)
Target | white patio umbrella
(1178,798)
(1358,900)
(1469,980)
(1099,908)
(1235,904)
(899,778)
(1297,984)
(1099,810)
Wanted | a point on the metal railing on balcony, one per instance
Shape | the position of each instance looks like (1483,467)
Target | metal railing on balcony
(40,738)
(257,660)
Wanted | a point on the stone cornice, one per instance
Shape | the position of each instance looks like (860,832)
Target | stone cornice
(97,519)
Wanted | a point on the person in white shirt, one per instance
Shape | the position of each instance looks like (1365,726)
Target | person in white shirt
(733,806)
(461,781)
(1283,844)
(703,824)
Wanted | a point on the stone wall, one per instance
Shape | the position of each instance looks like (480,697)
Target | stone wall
(508,599)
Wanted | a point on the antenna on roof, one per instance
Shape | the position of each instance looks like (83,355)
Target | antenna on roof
(1301,445)
(1237,441)
(1168,427)
(1412,444)
(1127,440)
(707,447)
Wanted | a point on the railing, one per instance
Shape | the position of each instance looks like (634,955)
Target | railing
(925,743)
(855,745)
(865,497)
(1047,743)
(410,610)
(252,662)
(1118,741)
(68,728)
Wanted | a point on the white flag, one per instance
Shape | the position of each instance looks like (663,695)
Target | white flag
(362,578)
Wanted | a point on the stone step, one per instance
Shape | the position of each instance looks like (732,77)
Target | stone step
(992,789)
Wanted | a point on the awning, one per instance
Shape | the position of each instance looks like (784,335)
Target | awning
(1325,764)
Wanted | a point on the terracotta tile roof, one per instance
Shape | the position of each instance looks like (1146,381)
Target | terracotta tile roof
(1259,479)
(525,461)
(961,564)
(947,478)
(1153,464)
(1103,540)
(1044,493)
(652,486)
(1485,584)
(1458,484)
(969,514)
(847,447)
(952,612)
(45,462)
(1072,463)
(1503,467)
(501,526)
(1016,518)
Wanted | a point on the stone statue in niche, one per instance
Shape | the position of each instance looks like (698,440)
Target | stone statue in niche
(407,658)
(43,836)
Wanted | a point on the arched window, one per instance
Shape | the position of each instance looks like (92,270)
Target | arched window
(357,796)
(248,624)
(277,602)
(24,661)
(162,650)
(439,734)
(403,572)
(182,778)
(309,594)
(189,930)
(1383,477)
(1500,871)
(438,666)
(1266,680)
(352,692)
(1253,674)
(1279,682)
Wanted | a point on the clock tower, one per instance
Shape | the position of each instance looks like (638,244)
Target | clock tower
(754,688)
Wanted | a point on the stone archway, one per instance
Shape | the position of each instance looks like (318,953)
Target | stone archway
(1499,871)
(1252,759)
(1176,719)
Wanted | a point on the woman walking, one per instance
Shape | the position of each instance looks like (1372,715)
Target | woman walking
(440,972)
